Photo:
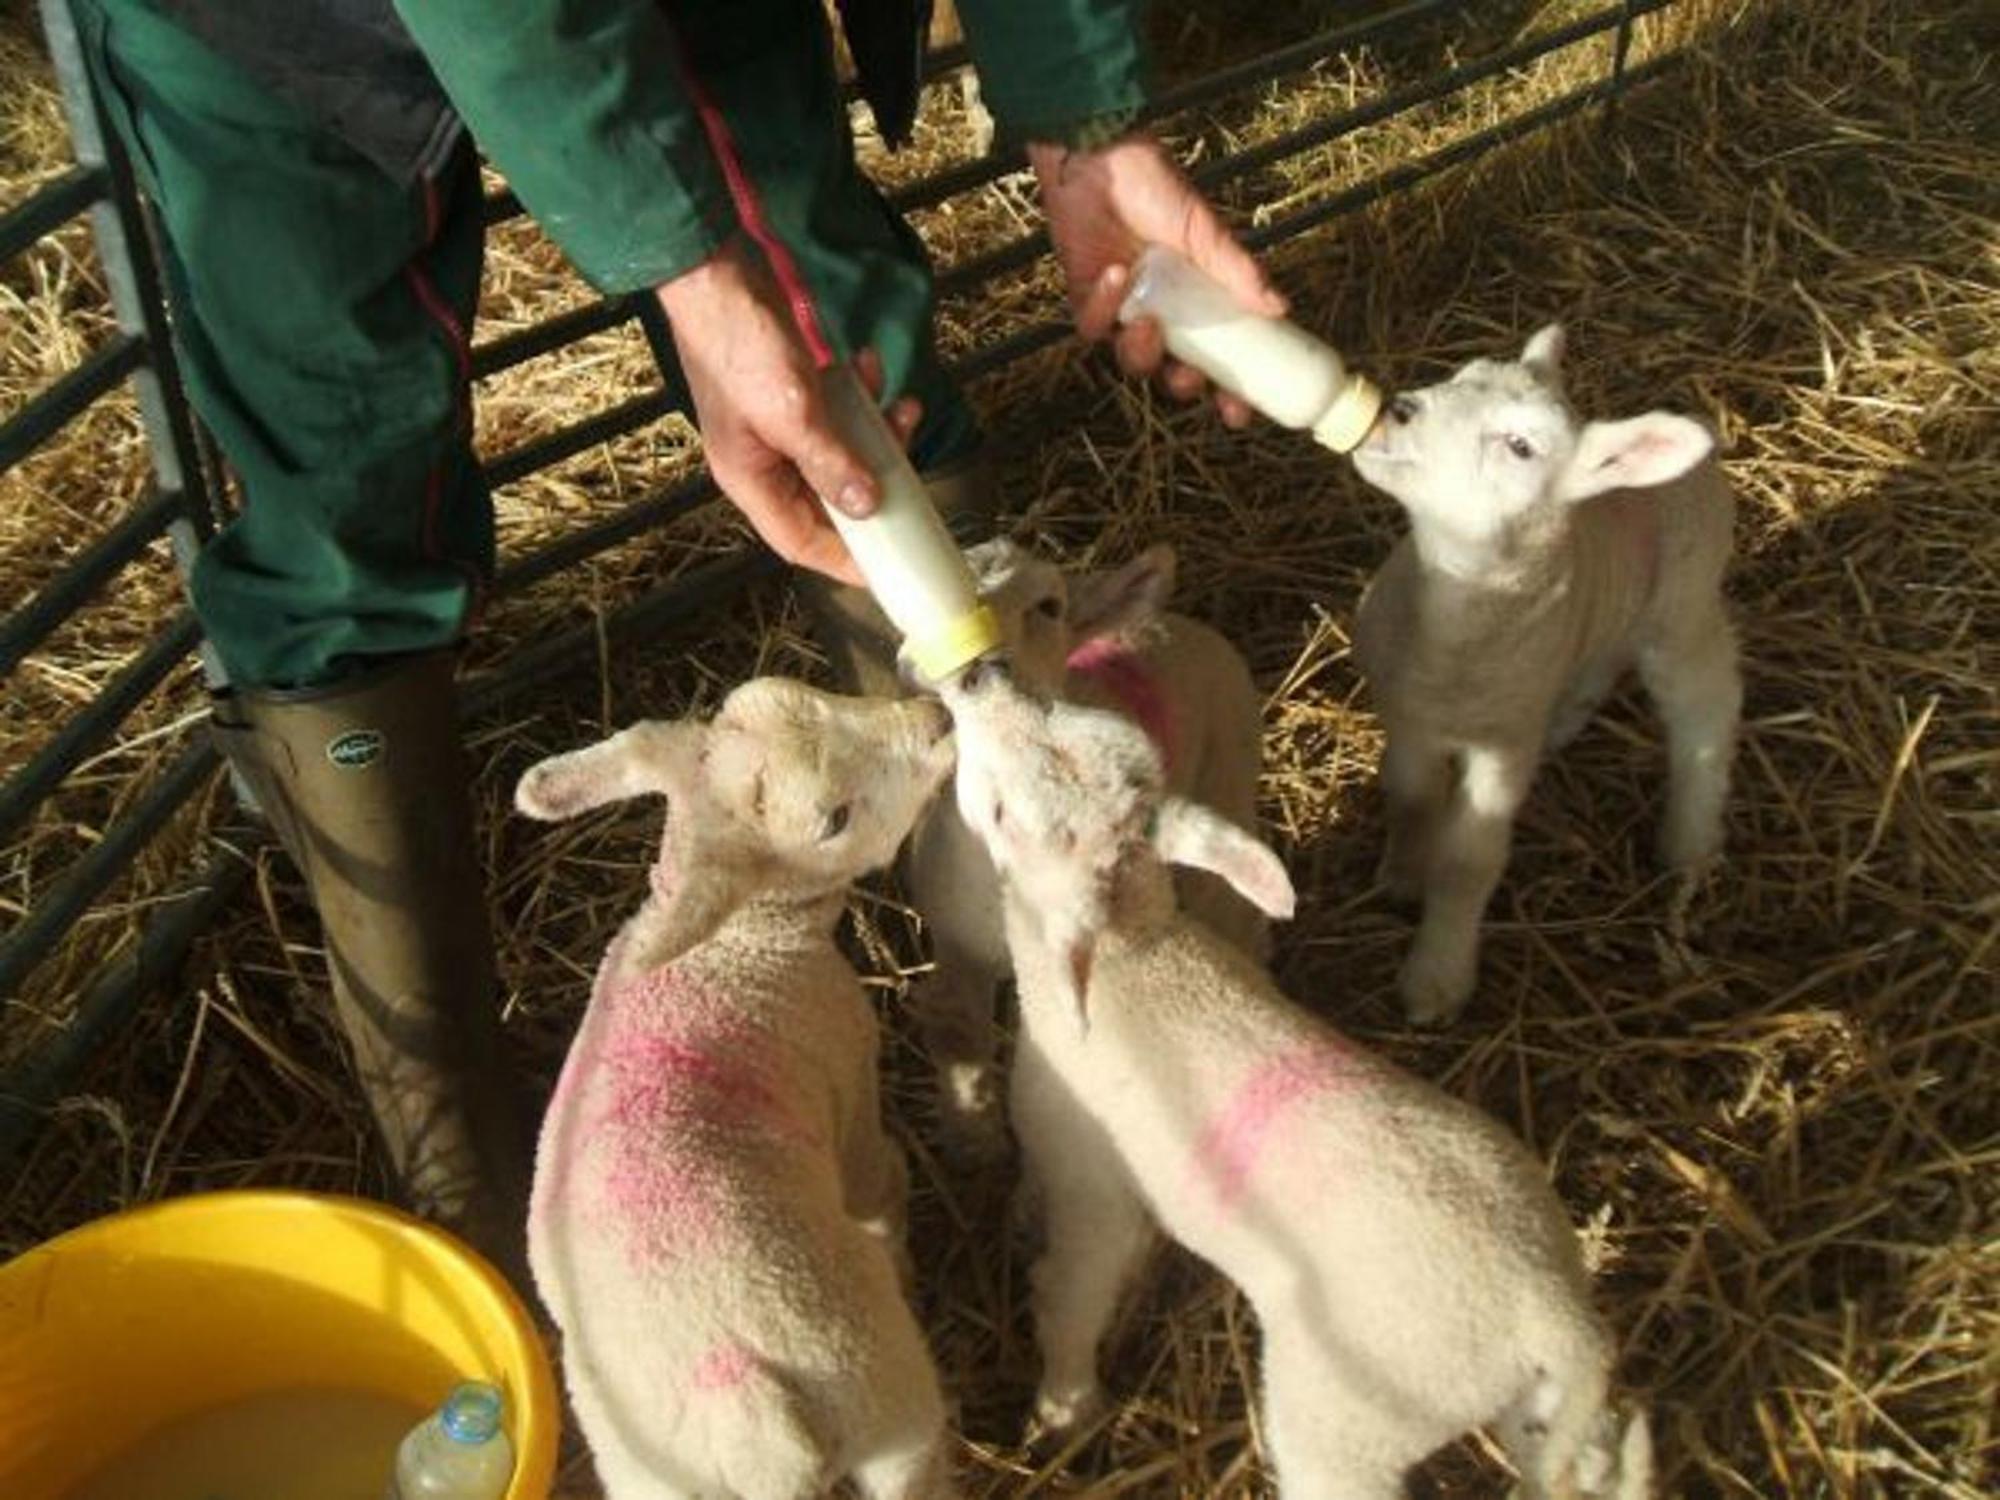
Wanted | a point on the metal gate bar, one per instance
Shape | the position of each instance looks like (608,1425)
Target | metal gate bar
(546,452)
(52,917)
(57,405)
(89,571)
(123,232)
(27,787)
(549,335)
(1025,251)
(53,206)
(1398,179)
(178,502)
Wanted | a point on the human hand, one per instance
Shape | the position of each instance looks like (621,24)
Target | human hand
(1103,206)
(763,423)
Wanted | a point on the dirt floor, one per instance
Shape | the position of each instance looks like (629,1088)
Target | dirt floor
(1766,1101)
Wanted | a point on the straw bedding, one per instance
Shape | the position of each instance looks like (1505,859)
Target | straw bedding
(1767,1101)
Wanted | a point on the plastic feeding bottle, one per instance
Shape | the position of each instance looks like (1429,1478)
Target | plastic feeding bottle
(1287,374)
(458,1452)
(913,566)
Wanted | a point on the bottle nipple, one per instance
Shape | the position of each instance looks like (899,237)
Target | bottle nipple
(1351,417)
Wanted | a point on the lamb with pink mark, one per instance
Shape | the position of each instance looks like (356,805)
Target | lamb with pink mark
(1545,557)
(1412,1271)
(716,1224)
(1102,637)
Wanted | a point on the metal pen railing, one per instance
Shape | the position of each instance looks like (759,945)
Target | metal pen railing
(179,500)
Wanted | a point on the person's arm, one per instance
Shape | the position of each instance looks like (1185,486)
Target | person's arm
(1066,79)
(582,105)
(1104,205)
(763,420)
(585,108)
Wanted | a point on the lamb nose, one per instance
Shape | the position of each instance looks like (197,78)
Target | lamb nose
(988,669)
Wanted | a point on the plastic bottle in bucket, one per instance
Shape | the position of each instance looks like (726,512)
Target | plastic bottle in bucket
(1291,377)
(456,1453)
(914,568)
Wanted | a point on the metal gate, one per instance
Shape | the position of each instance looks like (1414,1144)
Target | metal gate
(180,502)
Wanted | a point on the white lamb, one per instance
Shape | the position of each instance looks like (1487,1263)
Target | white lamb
(1545,556)
(717,1213)
(1412,1271)
(1103,637)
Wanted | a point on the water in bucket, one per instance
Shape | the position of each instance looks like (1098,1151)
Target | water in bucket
(308,1443)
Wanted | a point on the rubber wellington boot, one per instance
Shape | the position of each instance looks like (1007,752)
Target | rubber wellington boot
(366,784)
(859,641)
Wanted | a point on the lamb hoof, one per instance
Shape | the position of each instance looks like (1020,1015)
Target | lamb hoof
(970,1089)
(972,1124)
(1435,988)
(1060,1415)
(1690,849)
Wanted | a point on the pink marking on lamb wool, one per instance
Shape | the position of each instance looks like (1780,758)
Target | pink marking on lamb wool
(724,1367)
(666,1206)
(1123,675)
(1226,1156)
(649,1086)
(662,1088)
(660,1078)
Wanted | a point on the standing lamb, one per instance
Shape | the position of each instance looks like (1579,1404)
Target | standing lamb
(1544,557)
(717,1213)
(1103,637)
(1413,1274)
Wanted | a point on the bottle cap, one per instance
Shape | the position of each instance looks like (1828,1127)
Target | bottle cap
(937,653)
(1351,416)
(471,1413)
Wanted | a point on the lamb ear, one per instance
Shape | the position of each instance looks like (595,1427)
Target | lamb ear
(1544,352)
(707,870)
(1110,600)
(655,758)
(1633,454)
(1192,835)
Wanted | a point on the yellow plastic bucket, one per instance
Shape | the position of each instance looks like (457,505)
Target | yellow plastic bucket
(126,1324)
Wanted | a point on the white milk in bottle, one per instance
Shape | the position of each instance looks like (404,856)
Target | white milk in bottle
(913,565)
(1291,377)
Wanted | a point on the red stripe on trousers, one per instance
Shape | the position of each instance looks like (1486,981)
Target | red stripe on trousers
(439,311)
